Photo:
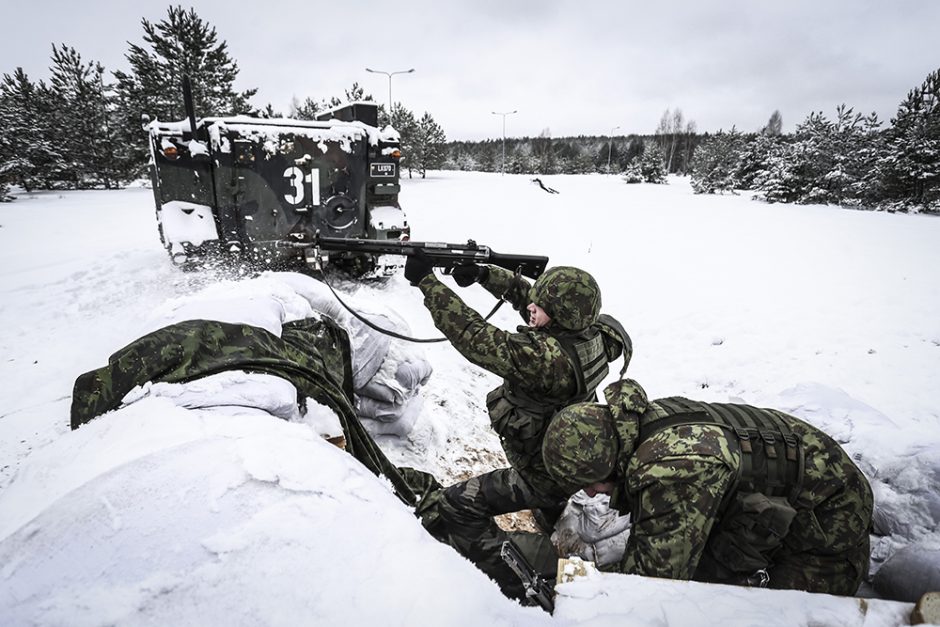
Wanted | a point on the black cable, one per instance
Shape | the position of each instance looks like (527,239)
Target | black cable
(387,332)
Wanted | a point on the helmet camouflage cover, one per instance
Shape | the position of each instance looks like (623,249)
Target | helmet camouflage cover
(580,446)
(569,295)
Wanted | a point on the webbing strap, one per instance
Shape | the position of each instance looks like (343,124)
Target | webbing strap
(593,360)
(613,323)
(771,457)
(588,375)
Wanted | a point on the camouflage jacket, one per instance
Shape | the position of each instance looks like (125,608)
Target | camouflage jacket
(313,354)
(676,486)
(539,377)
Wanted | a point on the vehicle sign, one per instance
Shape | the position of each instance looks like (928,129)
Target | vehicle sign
(382,170)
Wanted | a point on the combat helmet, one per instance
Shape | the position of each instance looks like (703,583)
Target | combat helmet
(569,295)
(580,446)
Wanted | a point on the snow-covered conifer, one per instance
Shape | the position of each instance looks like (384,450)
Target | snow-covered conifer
(911,163)
(181,44)
(715,163)
(28,157)
(428,144)
(403,120)
(653,164)
(83,119)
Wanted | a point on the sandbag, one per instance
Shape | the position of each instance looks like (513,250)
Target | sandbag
(910,573)
(590,529)
(399,424)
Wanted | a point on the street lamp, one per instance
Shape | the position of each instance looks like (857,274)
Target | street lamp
(390,75)
(610,144)
(504,114)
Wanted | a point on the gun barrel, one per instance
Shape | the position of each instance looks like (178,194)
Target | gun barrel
(442,255)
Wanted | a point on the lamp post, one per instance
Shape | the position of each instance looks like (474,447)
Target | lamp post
(390,75)
(504,114)
(610,145)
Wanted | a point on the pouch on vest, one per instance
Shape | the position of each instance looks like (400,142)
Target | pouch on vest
(751,530)
(519,429)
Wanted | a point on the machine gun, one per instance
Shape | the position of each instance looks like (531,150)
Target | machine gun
(446,256)
(537,587)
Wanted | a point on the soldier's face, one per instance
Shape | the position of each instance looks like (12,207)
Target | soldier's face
(537,316)
(601,487)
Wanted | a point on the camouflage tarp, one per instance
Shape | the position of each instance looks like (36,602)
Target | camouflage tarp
(313,354)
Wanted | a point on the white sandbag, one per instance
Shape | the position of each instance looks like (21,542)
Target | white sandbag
(413,372)
(368,346)
(910,572)
(403,371)
(262,302)
(402,424)
(313,291)
(231,389)
(384,391)
(590,529)
(376,409)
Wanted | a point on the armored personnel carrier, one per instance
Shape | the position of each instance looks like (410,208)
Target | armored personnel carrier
(262,190)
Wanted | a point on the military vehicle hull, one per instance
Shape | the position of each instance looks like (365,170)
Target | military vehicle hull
(259,190)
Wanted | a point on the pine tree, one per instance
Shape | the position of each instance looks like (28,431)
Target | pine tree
(28,157)
(778,178)
(754,159)
(543,153)
(652,164)
(715,163)
(182,44)
(428,145)
(404,122)
(353,94)
(911,163)
(83,119)
(6,162)
(306,110)
(774,126)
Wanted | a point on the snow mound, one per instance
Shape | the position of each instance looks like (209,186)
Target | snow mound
(159,515)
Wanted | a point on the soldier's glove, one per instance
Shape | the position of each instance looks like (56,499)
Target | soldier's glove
(418,266)
(466,274)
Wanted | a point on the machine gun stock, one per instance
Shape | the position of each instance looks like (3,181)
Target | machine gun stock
(537,588)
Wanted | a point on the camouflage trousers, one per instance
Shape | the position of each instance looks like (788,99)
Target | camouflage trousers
(462,517)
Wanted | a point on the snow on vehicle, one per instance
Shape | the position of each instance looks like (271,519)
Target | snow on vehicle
(260,190)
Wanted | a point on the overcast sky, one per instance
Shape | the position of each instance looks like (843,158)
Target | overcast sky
(574,68)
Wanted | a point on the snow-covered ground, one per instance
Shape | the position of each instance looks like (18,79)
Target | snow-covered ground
(156,514)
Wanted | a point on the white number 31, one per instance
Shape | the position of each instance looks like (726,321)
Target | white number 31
(296,179)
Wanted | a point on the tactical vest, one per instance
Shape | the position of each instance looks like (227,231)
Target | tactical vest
(772,460)
(520,418)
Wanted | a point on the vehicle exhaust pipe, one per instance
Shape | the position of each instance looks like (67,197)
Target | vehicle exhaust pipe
(188,103)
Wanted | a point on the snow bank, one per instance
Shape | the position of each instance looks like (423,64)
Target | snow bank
(155,514)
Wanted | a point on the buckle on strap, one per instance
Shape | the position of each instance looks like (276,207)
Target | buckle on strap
(759,579)
(744,439)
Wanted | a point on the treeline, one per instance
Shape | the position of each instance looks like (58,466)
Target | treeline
(848,160)
(82,128)
(647,157)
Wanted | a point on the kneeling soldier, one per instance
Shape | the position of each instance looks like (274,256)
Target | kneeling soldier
(718,492)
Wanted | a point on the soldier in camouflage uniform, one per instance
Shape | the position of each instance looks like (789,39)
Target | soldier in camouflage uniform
(717,492)
(558,359)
